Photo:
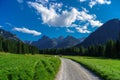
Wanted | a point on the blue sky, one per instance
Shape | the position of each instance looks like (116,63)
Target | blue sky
(31,19)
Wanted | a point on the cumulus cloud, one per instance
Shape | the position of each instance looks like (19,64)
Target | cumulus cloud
(95,23)
(83,29)
(56,6)
(20,1)
(94,2)
(65,18)
(28,31)
(82,0)
(84,16)
(52,18)
(44,2)
(89,18)
(70,31)
(41,1)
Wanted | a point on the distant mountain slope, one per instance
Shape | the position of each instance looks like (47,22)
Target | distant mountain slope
(69,41)
(8,35)
(108,31)
(60,42)
(45,42)
(10,43)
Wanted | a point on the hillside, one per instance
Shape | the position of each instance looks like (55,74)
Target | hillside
(108,31)
(8,35)
(44,42)
(69,41)
(60,42)
(10,43)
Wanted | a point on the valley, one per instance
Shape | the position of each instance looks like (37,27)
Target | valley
(39,60)
(59,39)
(50,67)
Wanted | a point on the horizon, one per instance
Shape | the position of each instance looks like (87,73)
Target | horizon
(32,19)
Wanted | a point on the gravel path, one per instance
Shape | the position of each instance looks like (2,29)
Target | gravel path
(71,70)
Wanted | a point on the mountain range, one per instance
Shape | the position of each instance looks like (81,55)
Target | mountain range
(47,43)
(8,35)
(108,31)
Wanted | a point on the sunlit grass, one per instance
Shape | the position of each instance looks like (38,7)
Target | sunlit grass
(28,67)
(108,69)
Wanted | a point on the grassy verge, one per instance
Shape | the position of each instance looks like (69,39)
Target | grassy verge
(28,67)
(108,69)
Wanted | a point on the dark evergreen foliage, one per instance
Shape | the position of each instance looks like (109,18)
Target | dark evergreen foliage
(110,50)
(17,47)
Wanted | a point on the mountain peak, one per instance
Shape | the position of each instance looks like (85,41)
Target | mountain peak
(60,42)
(44,36)
(108,31)
(69,36)
(60,37)
(115,19)
(112,22)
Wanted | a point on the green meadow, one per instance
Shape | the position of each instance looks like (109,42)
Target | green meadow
(45,67)
(28,67)
(108,69)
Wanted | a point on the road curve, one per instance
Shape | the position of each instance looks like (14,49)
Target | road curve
(71,70)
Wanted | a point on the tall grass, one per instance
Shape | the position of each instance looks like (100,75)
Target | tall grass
(108,69)
(28,67)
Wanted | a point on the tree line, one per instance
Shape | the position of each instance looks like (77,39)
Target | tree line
(111,50)
(17,47)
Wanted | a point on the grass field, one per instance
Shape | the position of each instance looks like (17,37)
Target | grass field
(108,69)
(28,67)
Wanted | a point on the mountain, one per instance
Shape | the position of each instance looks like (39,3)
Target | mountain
(60,39)
(8,35)
(45,42)
(69,41)
(10,43)
(108,31)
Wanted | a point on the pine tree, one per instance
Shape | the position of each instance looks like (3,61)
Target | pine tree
(1,47)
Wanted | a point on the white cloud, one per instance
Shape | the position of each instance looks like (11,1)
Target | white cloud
(82,0)
(74,25)
(83,29)
(84,16)
(52,18)
(94,2)
(41,0)
(56,6)
(65,18)
(95,23)
(28,31)
(44,2)
(89,18)
(104,1)
(20,1)
(70,31)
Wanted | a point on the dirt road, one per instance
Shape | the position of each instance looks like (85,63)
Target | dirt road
(71,70)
